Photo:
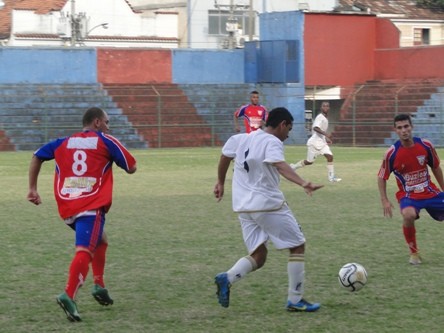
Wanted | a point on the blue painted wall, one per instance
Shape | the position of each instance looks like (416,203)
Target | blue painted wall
(282,25)
(208,66)
(278,26)
(47,65)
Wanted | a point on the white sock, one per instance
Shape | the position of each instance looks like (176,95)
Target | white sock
(298,165)
(241,268)
(331,170)
(296,273)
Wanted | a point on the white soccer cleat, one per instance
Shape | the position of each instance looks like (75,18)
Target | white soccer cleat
(334,180)
(415,259)
(293,166)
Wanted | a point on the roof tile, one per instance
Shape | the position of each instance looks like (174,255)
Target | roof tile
(408,8)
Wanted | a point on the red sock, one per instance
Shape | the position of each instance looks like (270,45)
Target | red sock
(77,272)
(98,263)
(410,238)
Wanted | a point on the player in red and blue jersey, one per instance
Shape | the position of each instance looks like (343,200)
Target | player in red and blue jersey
(254,114)
(409,159)
(83,185)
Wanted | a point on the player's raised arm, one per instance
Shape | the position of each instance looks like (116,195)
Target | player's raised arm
(288,173)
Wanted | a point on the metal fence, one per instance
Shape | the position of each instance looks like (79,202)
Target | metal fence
(363,114)
(163,116)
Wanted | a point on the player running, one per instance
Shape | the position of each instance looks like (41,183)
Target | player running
(254,114)
(409,159)
(83,186)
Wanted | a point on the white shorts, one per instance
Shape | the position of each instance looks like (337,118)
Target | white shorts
(312,152)
(280,227)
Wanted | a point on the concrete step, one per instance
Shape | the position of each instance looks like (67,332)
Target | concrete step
(30,115)
(373,107)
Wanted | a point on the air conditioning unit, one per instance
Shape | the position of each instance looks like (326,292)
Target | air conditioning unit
(240,41)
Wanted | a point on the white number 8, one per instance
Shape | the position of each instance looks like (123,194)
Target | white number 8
(79,166)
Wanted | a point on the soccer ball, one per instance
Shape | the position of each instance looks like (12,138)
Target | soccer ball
(352,276)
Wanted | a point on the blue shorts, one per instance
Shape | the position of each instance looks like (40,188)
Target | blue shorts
(89,230)
(434,206)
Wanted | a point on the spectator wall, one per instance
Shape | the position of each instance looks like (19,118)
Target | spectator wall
(339,49)
(47,65)
(134,66)
(410,63)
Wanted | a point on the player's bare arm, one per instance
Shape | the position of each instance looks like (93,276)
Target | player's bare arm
(288,173)
(33,174)
(327,136)
(386,204)
(437,172)
(222,169)
(236,122)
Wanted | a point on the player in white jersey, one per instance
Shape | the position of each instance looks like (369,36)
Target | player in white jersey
(263,212)
(318,144)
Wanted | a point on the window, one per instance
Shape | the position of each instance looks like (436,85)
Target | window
(218,19)
(421,36)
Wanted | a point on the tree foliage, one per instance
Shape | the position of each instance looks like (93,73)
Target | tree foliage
(432,4)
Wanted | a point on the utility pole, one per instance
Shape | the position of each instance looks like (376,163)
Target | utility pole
(232,26)
(73,24)
(250,21)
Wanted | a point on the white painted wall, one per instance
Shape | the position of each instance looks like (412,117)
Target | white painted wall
(122,22)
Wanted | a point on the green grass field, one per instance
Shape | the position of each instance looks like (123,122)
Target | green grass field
(168,238)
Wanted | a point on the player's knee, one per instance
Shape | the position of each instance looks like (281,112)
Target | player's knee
(409,217)
(298,249)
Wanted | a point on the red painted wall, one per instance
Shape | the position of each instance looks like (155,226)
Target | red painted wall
(339,49)
(134,66)
(387,34)
(410,63)
(349,49)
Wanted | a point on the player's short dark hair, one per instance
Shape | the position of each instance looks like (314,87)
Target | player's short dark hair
(402,117)
(277,115)
(254,92)
(92,114)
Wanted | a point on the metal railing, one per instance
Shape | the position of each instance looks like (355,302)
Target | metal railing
(156,117)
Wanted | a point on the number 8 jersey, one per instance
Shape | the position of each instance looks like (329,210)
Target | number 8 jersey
(83,176)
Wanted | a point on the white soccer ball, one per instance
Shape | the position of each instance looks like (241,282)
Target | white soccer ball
(352,276)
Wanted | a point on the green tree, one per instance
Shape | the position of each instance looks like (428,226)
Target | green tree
(432,4)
